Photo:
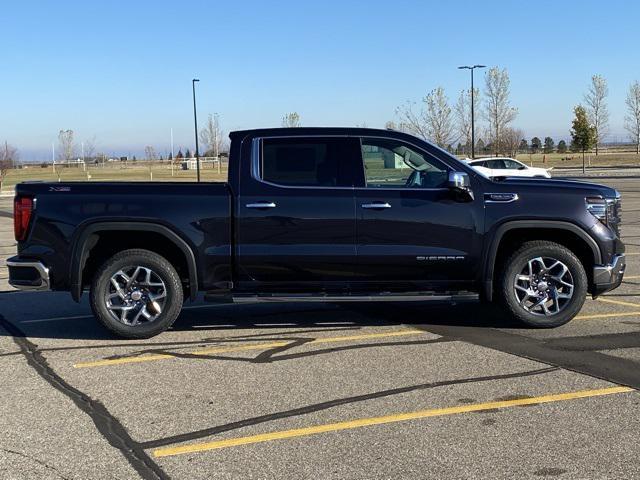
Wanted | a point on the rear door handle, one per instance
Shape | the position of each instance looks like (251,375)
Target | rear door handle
(377,205)
(261,205)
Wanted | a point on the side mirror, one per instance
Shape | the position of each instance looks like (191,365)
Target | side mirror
(460,183)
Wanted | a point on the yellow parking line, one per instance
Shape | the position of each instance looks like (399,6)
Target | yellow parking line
(619,302)
(259,346)
(631,277)
(607,315)
(367,422)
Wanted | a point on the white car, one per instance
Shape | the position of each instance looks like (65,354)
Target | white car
(506,167)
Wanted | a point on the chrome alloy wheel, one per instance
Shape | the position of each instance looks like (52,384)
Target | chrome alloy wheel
(135,295)
(544,286)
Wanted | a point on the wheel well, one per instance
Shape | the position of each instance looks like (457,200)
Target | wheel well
(512,239)
(103,245)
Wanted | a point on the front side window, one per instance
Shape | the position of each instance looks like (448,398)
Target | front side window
(513,165)
(392,163)
(317,162)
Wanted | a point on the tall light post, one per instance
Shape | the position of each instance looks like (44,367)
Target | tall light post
(471,68)
(195,122)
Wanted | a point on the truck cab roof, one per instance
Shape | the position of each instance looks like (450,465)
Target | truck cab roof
(314,131)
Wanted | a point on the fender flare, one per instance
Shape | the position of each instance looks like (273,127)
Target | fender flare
(80,251)
(492,250)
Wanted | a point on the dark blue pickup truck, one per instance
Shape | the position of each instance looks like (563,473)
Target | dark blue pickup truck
(329,214)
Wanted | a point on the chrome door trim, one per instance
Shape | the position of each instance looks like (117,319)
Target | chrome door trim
(261,205)
(377,205)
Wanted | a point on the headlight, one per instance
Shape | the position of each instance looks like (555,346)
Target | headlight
(598,208)
(604,209)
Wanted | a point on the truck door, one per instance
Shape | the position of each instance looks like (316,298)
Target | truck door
(296,214)
(412,232)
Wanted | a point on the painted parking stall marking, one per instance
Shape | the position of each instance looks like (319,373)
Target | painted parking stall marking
(367,422)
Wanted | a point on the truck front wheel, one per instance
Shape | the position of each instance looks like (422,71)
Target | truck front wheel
(543,284)
(136,294)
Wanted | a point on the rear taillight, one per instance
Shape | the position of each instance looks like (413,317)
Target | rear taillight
(22,210)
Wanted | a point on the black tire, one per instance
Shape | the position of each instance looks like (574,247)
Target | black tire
(147,260)
(518,262)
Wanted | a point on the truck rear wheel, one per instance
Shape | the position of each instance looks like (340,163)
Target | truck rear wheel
(136,294)
(543,284)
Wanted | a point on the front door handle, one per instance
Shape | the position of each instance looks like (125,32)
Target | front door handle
(377,205)
(261,205)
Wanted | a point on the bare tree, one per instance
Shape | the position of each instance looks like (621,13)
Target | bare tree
(212,136)
(291,119)
(498,110)
(89,148)
(8,158)
(66,146)
(632,118)
(511,139)
(398,127)
(462,111)
(150,153)
(434,121)
(597,110)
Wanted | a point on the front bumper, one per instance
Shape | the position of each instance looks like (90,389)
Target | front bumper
(28,274)
(608,277)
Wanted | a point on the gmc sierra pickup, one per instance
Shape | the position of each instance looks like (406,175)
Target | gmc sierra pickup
(328,214)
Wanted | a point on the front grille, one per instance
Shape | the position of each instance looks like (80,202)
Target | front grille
(614,214)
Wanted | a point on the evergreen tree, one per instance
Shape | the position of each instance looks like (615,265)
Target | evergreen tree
(583,134)
(549,145)
(562,146)
(536,145)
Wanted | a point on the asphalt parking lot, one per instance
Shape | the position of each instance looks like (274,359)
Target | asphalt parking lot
(329,391)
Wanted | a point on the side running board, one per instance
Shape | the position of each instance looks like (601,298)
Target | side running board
(417,297)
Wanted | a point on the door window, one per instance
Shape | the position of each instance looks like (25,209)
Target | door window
(496,164)
(513,165)
(317,162)
(390,163)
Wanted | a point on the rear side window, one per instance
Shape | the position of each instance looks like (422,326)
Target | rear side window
(316,162)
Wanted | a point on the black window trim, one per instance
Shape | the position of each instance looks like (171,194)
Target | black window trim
(256,157)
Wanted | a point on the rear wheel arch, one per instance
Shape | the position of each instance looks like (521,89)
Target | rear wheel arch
(97,241)
(510,235)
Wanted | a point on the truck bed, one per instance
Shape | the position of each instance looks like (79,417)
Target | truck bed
(198,213)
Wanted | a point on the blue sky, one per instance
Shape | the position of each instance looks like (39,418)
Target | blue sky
(121,70)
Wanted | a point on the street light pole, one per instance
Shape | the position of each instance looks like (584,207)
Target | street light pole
(195,122)
(473,129)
